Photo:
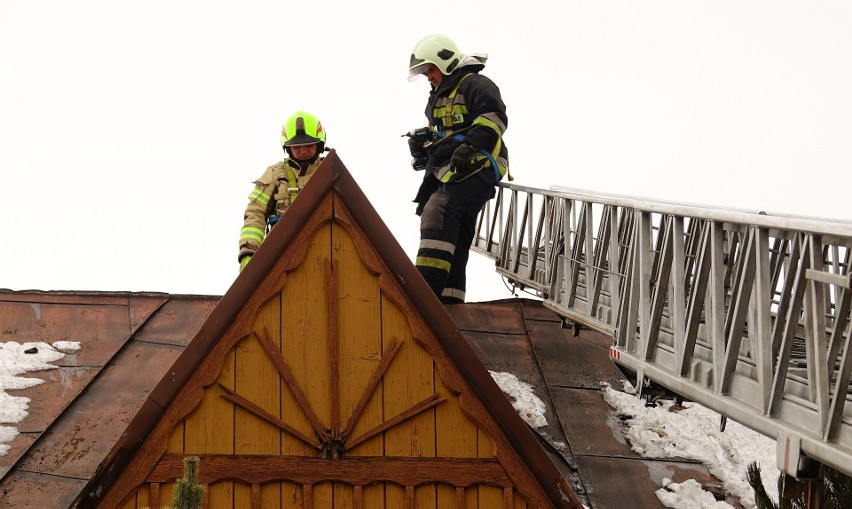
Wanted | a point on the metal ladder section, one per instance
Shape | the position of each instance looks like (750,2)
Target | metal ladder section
(743,312)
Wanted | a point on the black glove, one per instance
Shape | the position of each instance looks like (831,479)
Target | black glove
(463,158)
(416,148)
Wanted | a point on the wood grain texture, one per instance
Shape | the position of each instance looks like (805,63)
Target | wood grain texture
(329,389)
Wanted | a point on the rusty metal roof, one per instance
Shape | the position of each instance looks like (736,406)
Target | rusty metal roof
(82,408)
(128,341)
(137,348)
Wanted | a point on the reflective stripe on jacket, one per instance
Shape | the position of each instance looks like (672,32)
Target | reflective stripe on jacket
(469,104)
(273,193)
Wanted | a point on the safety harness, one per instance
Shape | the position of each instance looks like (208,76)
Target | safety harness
(447,175)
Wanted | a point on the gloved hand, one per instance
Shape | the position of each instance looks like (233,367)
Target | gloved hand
(244,261)
(463,158)
(416,148)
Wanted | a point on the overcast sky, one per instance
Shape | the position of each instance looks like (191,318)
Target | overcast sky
(130,133)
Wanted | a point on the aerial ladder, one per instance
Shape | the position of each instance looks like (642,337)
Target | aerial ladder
(744,312)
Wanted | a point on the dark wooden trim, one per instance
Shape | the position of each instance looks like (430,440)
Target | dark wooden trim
(253,409)
(287,375)
(358,471)
(409,497)
(426,404)
(307,496)
(378,374)
(333,308)
(255,496)
(358,497)
(154,492)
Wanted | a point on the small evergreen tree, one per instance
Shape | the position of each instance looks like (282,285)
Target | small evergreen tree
(187,493)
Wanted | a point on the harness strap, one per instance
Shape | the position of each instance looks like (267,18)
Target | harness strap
(497,174)
(448,109)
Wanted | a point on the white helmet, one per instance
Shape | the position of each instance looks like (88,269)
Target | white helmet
(435,49)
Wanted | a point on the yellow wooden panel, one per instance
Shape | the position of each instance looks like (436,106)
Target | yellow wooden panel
(456,436)
(343,496)
(490,497)
(166,492)
(142,496)
(304,345)
(446,497)
(360,340)
(485,446)
(360,352)
(259,382)
(209,429)
(424,496)
(291,496)
(374,496)
(394,495)
(216,495)
(519,502)
(176,439)
(322,496)
(409,380)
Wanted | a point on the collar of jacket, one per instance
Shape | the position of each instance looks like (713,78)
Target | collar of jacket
(302,167)
(468,67)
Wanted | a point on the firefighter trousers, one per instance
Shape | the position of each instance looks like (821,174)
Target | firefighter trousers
(446,231)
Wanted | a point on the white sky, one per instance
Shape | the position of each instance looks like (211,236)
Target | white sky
(130,133)
(691,433)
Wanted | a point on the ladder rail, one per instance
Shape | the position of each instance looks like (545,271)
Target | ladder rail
(744,312)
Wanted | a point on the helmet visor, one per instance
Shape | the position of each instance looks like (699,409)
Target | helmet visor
(300,140)
(417,70)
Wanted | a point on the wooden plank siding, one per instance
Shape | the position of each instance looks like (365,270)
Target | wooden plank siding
(346,333)
(327,387)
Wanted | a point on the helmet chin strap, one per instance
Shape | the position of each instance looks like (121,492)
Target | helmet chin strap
(301,164)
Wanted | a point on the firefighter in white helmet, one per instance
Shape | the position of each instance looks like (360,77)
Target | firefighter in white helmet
(303,139)
(464,157)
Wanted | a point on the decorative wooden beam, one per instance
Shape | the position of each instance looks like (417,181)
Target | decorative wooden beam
(255,496)
(287,375)
(154,491)
(333,344)
(307,496)
(250,407)
(409,497)
(426,404)
(355,471)
(358,497)
(378,374)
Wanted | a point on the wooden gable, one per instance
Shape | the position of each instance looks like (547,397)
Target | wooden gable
(330,376)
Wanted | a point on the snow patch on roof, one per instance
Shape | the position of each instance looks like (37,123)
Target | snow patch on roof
(16,359)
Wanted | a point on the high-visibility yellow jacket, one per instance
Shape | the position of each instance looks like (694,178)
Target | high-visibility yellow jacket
(273,193)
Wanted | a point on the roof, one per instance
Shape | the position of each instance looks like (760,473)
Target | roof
(139,349)
(86,478)
(128,341)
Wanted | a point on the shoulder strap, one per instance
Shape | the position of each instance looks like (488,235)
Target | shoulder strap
(448,112)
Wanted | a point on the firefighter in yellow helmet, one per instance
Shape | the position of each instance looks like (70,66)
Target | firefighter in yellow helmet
(303,138)
(463,155)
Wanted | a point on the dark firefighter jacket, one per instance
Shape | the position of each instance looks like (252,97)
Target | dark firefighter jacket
(466,104)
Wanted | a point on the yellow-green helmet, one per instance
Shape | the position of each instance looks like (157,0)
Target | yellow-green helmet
(302,128)
(435,49)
